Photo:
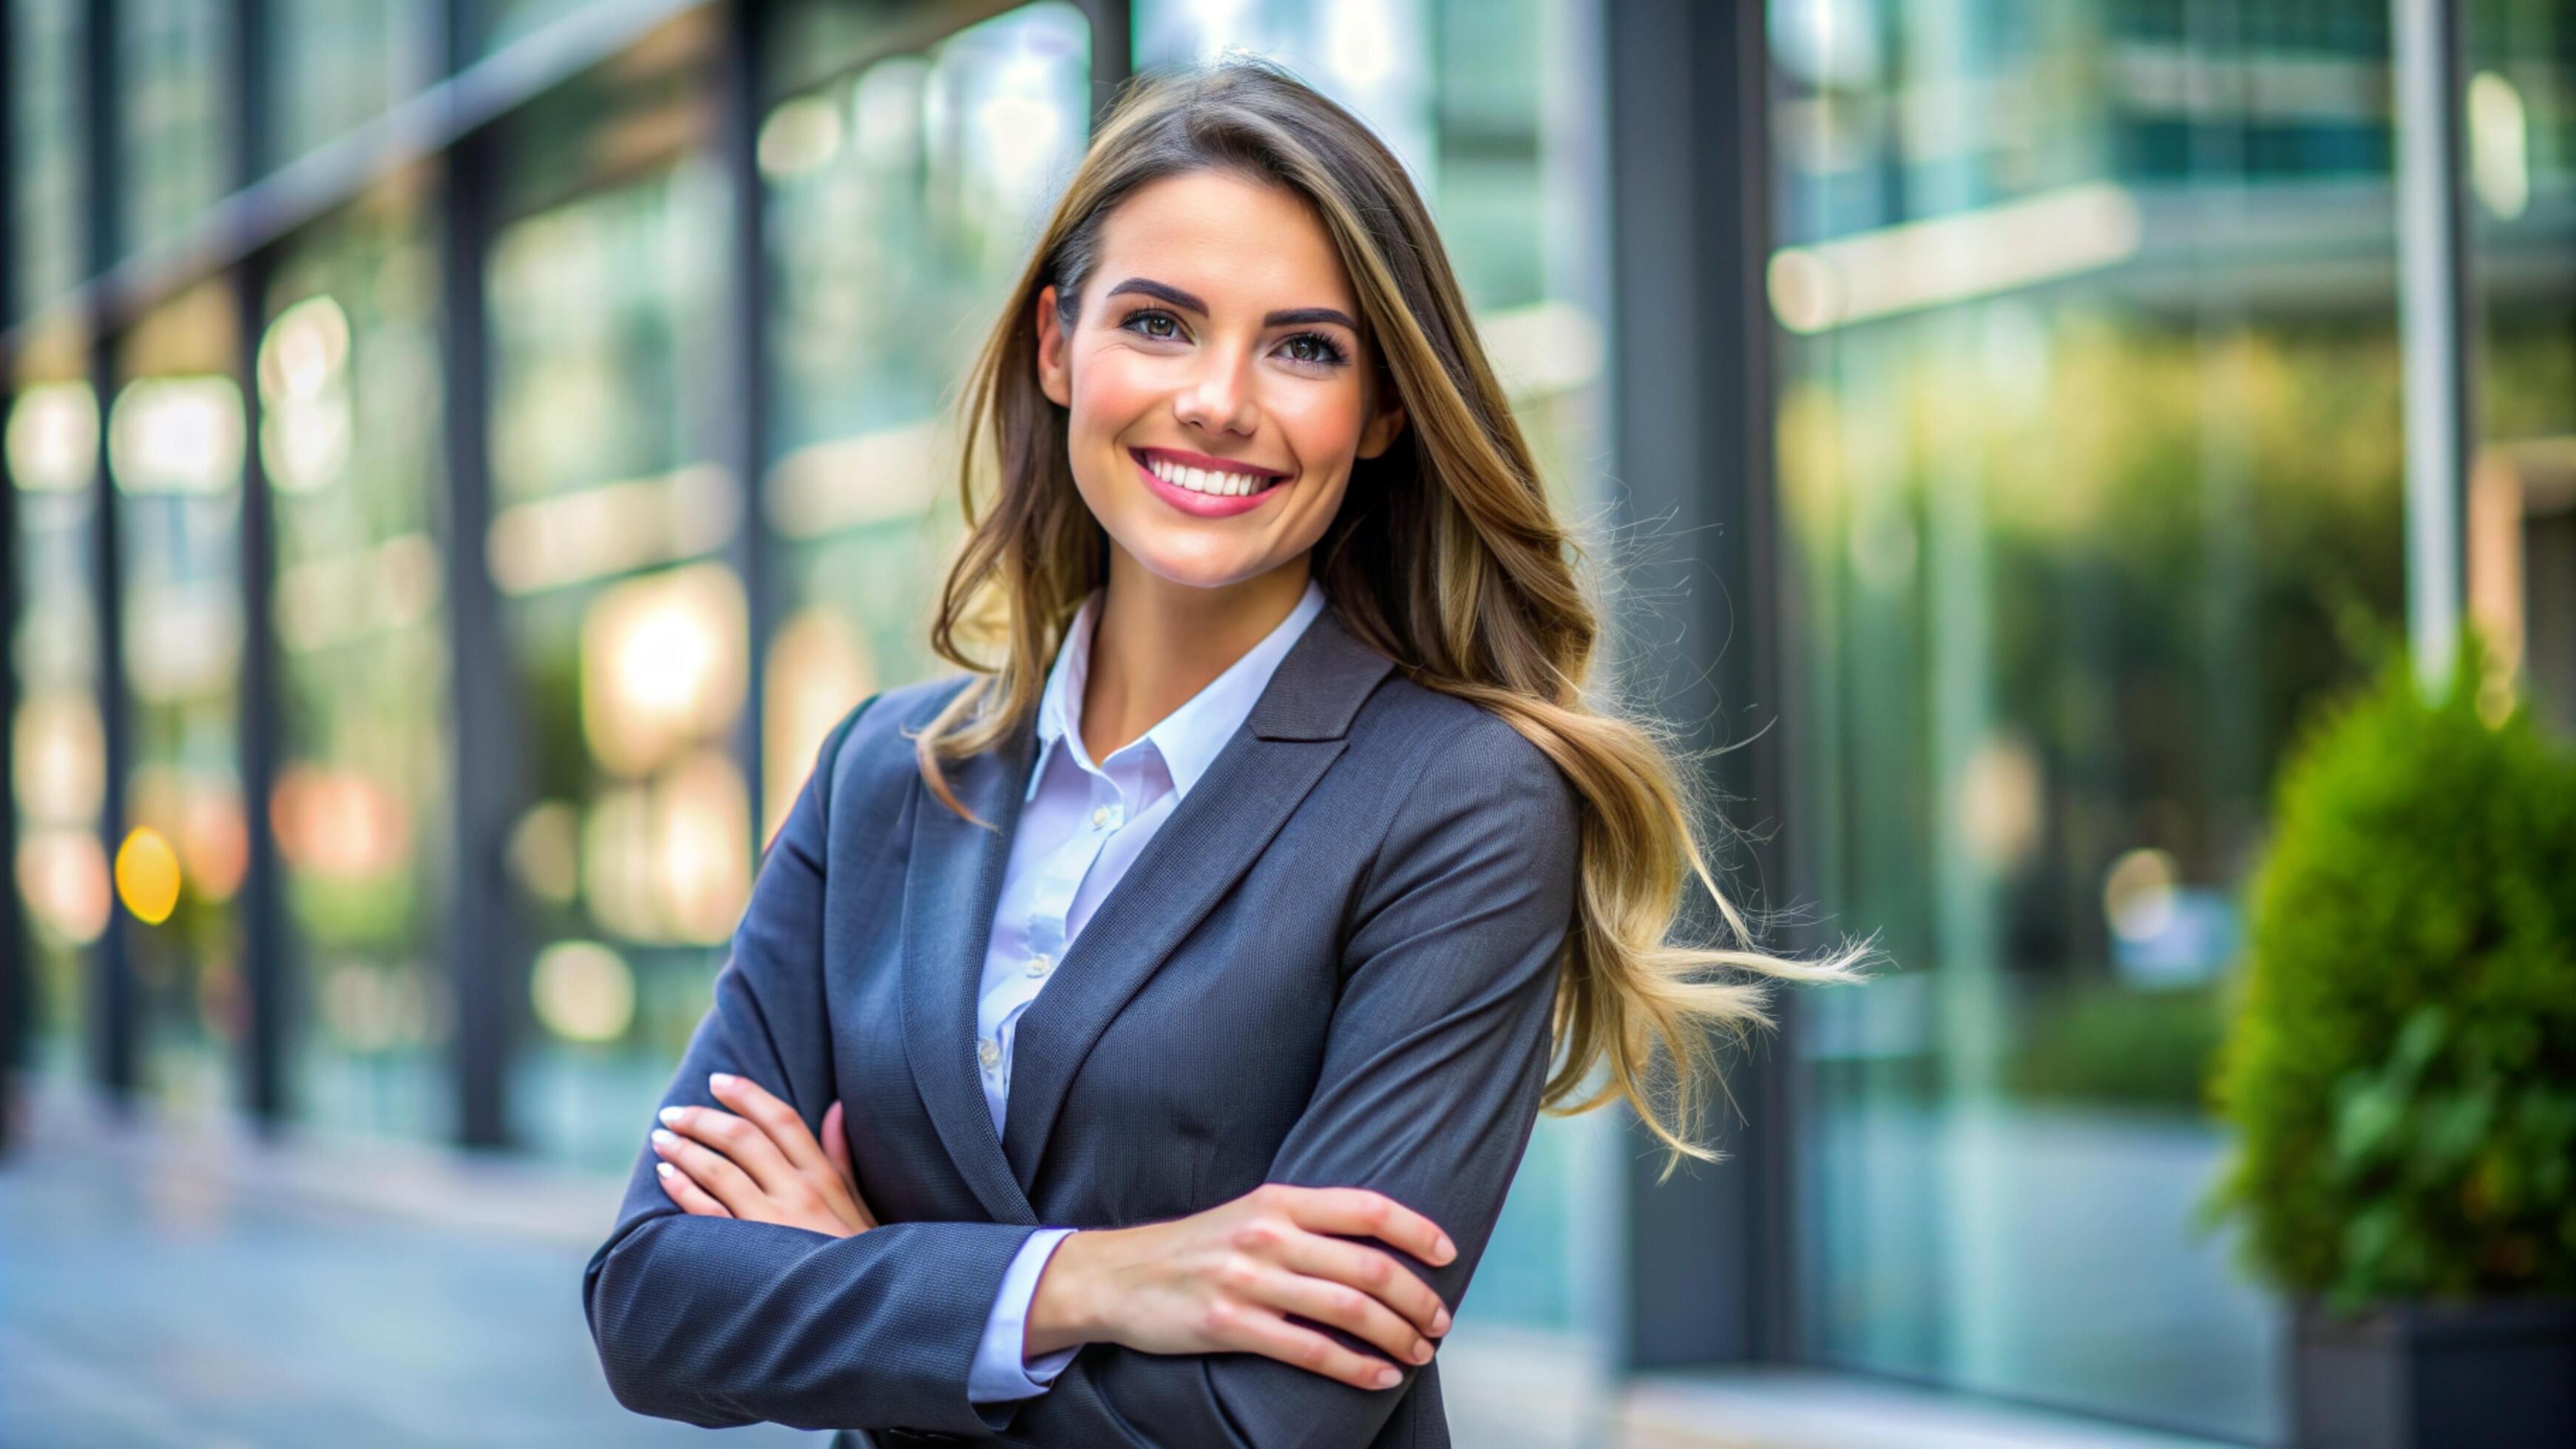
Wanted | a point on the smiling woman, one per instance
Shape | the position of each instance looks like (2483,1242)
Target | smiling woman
(1132,1041)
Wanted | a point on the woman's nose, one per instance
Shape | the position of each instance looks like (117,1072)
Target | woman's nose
(1218,399)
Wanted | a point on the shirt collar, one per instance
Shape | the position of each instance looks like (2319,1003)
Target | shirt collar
(1190,737)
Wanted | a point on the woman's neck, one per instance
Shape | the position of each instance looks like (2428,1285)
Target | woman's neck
(1156,643)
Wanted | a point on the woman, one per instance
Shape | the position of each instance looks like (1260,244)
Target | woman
(1174,1000)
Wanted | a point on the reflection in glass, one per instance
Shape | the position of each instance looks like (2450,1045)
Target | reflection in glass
(49,452)
(902,202)
(174,448)
(2521,523)
(337,64)
(349,436)
(42,93)
(631,857)
(172,59)
(1489,105)
(2091,477)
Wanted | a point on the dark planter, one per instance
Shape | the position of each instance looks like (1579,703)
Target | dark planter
(2496,1375)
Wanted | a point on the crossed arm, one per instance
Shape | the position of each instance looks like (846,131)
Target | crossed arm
(1429,1086)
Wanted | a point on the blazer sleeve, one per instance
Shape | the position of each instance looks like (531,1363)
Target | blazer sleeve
(1436,1056)
(719,1322)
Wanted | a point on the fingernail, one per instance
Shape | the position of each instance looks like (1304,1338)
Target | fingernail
(1440,1321)
(1386,1378)
(672,1115)
(665,1139)
(1422,1352)
(1444,1249)
(666,1169)
(719,1080)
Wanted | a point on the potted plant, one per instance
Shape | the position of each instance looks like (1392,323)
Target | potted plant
(2401,1071)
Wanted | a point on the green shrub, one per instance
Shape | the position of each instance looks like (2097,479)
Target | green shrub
(2402,1072)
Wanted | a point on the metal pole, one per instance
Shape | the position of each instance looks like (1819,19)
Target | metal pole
(266,941)
(115,993)
(2436,321)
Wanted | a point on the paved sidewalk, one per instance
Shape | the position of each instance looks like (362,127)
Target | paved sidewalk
(160,1291)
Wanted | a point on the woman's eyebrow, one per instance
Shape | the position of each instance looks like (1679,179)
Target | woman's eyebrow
(1288,317)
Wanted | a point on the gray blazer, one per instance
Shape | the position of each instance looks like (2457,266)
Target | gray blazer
(1334,965)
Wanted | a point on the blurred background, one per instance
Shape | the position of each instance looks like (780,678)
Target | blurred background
(461,455)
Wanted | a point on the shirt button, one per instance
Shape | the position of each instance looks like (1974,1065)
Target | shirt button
(989,1052)
(1040,964)
(1100,816)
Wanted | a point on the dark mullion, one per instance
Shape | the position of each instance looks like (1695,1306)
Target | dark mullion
(1708,1264)
(485,742)
(267,943)
(114,994)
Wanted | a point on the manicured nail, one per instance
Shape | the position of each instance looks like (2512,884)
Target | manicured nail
(1386,1378)
(1444,1249)
(719,1080)
(1440,1321)
(665,1139)
(1422,1352)
(666,1169)
(671,1115)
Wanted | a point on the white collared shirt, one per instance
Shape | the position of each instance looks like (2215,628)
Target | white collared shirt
(1081,826)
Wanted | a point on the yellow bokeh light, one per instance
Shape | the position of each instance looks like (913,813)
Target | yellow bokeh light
(147,875)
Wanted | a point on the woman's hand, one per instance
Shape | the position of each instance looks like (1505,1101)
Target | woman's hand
(1223,1280)
(761,1165)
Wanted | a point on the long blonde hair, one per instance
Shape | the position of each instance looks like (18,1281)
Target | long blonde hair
(1446,557)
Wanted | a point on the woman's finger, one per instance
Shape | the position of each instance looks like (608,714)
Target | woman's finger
(711,1170)
(692,1198)
(1369,1271)
(782,1124)
(797,1150)
(742,1143)
(1271,1336)
(1344,1307)
(836,1150)
(1359,1212)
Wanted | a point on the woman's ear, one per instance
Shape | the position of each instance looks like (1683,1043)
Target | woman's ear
(1055,379)
(1383,429)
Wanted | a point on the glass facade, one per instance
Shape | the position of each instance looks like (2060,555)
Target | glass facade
(2081,323)
(350,440)
(58,741)
(174,450)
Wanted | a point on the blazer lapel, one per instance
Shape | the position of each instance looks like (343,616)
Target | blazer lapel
(952,882)
(1294,733)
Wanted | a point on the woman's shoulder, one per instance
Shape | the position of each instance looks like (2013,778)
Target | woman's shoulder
(870,748)
(1434,743)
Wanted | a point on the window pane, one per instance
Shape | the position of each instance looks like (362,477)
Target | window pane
(2089,461)
(1492,107)
(628,636)
(46,140)
(2522,225)
(336,64)
(174,441)
(348,383)
(174,145)
(61,872)
(902,201)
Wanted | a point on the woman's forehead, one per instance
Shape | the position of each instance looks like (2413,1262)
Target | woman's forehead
(1235,243)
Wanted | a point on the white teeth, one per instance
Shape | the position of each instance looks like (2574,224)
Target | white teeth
(1201,480)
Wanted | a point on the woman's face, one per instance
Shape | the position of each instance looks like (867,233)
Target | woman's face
(1214,380)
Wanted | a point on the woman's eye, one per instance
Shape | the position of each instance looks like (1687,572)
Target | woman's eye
(1313,347)
(1161,326)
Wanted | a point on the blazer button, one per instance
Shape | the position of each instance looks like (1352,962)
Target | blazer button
(989,1052)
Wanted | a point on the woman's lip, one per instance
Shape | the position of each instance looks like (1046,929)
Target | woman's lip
(1202,505)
